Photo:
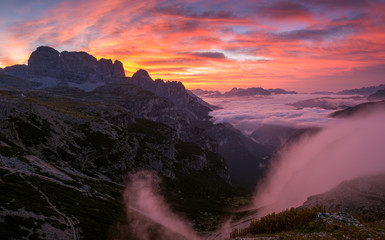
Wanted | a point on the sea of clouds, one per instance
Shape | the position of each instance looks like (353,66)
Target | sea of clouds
(248,113)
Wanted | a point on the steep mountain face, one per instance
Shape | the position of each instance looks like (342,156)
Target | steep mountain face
(48,68)
(273,135)
(76,67)
(175,92)
(245,159)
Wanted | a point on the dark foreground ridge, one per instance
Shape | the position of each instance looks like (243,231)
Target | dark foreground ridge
(73,128)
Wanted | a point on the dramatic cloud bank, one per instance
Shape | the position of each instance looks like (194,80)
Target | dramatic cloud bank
(248,113)
(341,151)
(149,216)
(302,45)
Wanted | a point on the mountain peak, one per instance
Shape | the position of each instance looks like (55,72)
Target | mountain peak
(74,67)
(43,60)
(142,78)
(141,73)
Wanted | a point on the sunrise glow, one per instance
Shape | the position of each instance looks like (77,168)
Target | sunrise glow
(296,45)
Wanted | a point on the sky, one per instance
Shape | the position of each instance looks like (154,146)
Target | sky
(301,45)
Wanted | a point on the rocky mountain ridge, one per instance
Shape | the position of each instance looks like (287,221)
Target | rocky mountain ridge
(48,67)
(363,91)
(241,92)
(72,147)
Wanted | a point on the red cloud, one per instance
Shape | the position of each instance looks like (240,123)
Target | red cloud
(211,44)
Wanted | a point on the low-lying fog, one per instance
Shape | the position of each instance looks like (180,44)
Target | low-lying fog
(344,149)
(248,113)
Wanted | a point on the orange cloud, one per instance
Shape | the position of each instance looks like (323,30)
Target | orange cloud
(216,45)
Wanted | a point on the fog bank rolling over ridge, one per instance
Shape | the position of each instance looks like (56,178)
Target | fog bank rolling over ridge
(149,214)
(344,150)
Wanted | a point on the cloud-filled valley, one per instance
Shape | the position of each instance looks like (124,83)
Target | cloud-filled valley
(248,113)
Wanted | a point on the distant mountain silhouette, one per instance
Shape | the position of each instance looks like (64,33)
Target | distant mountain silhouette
(379,95)
(360,109)
(363,91)
(241,92)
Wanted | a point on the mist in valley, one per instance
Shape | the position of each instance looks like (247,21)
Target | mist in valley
(344,149)
(347,149)
(149,216)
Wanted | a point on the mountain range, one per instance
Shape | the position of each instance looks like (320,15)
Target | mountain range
(73,128)
(241,92)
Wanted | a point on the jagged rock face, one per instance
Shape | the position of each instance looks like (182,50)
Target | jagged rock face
(142,79)
(175,92)
(118,69)
(43,61)
(245,159)
(76,67)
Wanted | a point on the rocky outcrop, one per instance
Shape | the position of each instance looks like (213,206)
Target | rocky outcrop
(44,61)
(175,92)
(77,67)
(49,68)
